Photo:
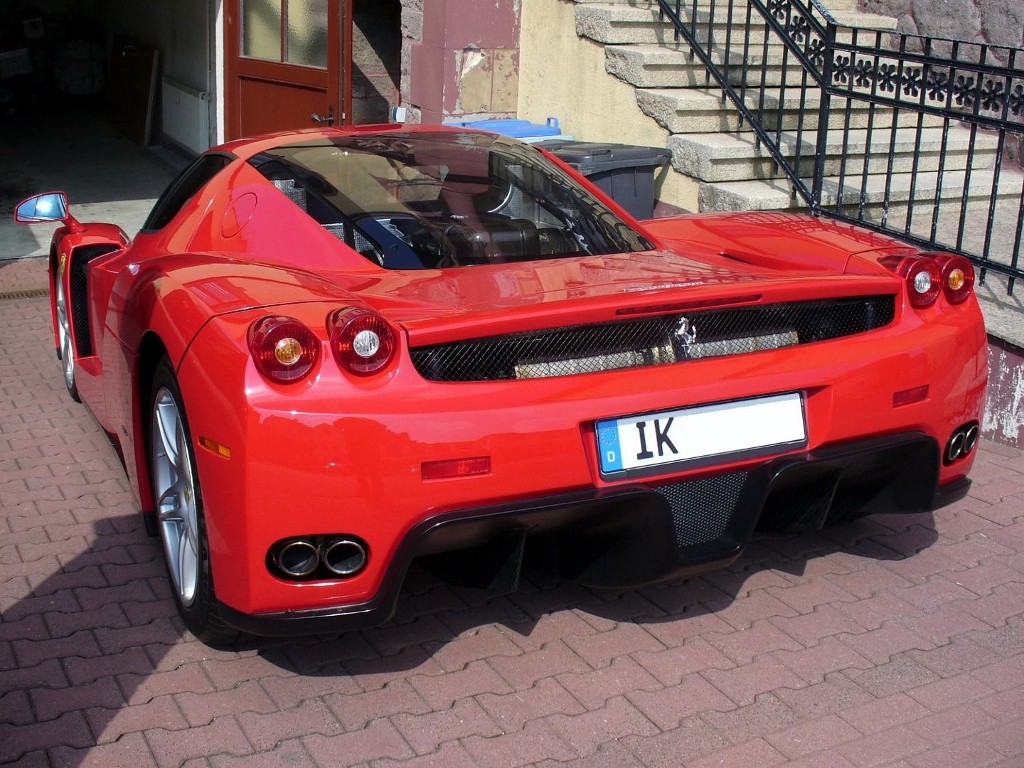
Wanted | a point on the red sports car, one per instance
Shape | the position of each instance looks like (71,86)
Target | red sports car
(330,352)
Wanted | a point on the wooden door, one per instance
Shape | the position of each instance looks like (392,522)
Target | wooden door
(287,60)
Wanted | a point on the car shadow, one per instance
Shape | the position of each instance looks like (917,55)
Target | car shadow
(100,635)
(433,614)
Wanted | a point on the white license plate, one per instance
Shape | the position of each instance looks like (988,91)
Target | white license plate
(720,431)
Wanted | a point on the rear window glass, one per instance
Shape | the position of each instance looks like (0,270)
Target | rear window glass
(427,200)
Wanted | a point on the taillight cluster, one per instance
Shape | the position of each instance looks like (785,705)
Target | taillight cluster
(361,341)
(929,274)
(285,350)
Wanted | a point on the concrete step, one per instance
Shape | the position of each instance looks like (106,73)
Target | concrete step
(703,110)
(775,194)
(622,23)
(626,24)
(672,66)
(736,157)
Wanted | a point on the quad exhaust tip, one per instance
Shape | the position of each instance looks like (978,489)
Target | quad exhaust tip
(297,558)
(312,557)
(962,442)
(344,556)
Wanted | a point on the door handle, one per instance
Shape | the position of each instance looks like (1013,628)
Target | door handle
(328,121)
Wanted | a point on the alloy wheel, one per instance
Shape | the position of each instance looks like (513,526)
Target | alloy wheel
(67,355)
(175,492)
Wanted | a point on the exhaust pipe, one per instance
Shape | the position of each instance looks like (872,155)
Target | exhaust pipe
(955,449)
(962,442)
(970,438)
(297,558)
(343,556)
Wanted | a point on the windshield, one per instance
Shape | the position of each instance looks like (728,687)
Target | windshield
(427,200)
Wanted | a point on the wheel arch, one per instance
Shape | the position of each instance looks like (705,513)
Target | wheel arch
(52,277)
(151,351)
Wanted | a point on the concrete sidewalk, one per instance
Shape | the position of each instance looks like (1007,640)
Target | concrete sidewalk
(894,641)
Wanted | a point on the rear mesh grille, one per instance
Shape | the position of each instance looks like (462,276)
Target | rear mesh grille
(702,509)
(651,341)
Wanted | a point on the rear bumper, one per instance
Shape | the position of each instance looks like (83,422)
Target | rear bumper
(339,456)
(632,535)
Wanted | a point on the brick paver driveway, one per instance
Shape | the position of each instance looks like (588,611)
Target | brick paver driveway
(895,641)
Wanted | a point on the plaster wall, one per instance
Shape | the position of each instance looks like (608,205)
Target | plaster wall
(562,75)
(1003,421)
(460,59)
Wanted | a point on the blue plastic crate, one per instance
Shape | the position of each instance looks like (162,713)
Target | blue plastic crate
(517,129)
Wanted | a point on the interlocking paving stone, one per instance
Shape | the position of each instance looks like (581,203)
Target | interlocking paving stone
(891,641)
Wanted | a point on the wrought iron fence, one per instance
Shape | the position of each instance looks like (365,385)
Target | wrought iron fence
(903,134)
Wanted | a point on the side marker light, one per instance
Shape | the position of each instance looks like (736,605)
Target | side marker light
(214,447)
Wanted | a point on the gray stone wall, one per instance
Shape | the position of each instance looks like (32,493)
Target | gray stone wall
(996,22)
(412,32)
(376,50)
(1000,22)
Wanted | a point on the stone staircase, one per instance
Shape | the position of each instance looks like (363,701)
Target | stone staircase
(719,156)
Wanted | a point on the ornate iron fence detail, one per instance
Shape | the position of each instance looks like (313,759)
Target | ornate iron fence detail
(902,134)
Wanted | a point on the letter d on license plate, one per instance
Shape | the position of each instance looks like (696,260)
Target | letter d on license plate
(720,431)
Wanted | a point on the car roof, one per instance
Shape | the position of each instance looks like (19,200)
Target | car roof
(248,147)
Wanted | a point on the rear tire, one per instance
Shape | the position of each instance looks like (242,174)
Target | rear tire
(178,502)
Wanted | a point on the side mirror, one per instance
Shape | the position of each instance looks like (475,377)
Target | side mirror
(38,209)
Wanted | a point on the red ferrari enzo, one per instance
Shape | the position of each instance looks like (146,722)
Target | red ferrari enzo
(330,352)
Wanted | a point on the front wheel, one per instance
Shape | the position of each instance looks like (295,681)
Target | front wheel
(66,352)
(179,512)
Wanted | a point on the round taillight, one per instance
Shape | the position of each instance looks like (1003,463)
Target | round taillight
(957,277)
(284,349)
(362,342)
(923,278)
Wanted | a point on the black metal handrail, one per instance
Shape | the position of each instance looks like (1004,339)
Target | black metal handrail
(902,134)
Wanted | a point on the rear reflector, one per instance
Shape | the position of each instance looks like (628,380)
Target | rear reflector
(441,470)
(909,396)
